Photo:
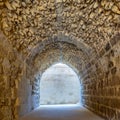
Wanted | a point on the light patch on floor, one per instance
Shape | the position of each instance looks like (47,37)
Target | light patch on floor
(61,112)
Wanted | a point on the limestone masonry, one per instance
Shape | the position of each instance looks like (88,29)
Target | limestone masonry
(84,34)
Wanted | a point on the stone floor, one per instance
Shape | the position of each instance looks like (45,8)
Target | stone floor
(68,112)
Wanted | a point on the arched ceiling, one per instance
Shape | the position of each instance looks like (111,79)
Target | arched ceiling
(51,54)
(28,22)
(61,38)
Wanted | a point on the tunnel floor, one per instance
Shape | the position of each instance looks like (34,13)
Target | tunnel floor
(61,112)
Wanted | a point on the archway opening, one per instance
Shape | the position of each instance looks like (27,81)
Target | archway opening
(59,85)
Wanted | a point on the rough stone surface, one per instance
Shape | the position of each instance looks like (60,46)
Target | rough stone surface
(28,22)
(10,72)
(85,34)
(101,92)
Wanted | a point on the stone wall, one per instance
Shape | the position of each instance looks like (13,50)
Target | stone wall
(17,88)
(101,89)
(28,22)
(10,73)
(28,91)
(38,30)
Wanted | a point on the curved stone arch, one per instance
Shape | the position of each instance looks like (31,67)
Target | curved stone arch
(34,69)
(61,38)
(31,70)
(32,76)
(70,53)
(64,62)
(40,73)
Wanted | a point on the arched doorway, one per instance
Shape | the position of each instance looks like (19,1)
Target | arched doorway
(59,84)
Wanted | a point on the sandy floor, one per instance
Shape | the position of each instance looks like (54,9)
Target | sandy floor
(69,112)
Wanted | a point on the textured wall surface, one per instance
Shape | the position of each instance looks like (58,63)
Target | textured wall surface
(10,74)
(101,94)
(84,34)
(28,22)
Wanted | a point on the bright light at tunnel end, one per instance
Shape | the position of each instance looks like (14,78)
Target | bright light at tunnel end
(56,73)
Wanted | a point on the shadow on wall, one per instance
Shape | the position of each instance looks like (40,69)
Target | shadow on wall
(59,84)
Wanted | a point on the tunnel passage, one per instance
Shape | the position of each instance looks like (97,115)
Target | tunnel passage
(93,24)
(52,53)
(59,84)
(97,77)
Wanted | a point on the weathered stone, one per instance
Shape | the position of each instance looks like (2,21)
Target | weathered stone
(107,47)
(114,70)
(38,15)
(8,5)
(110,64)
(39,33)
(1,115)
(116,9)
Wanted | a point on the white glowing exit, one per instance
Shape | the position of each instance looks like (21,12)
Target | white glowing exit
(59,84)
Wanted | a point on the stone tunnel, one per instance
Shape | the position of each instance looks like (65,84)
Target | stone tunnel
(83,34)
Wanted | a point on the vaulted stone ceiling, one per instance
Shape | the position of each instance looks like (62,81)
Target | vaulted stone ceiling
(69,55)
(85,34)
(29,22)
